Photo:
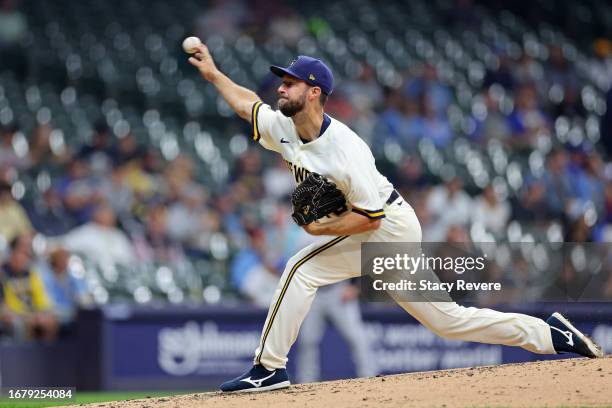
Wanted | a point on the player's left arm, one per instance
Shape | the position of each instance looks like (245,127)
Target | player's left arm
(347,224)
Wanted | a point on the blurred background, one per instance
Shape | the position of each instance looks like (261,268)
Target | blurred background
(142,232)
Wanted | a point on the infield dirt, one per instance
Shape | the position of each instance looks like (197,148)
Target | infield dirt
(560,383)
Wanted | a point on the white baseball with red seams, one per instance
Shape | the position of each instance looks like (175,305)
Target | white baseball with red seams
(190,44)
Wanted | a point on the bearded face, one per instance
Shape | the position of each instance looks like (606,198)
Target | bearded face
(291,107)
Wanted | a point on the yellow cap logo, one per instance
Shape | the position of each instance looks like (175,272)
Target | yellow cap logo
(311,77)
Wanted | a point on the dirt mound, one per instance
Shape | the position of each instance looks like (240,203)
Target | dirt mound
(571,382)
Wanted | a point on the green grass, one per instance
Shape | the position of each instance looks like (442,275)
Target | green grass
(90,397)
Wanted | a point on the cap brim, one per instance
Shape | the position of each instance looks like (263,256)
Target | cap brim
(280,71)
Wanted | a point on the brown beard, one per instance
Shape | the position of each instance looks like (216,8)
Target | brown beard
(291,108)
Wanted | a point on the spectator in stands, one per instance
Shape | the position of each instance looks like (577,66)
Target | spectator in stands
(427,86)
(414,124)
(410,177)
(248,171)
(435,126)
(79,191)
(9,157)
(188,219)
(587,169)
(580,228)
(66,292)
(24,294)
(391,125)
(491,212)
(153,244)
(252,272)
(139,180)
(100,239)
(449,205)
(558,183)
(530,206)
(101,144)
(528,70)
(502,74)
(118,192)
(127,149)
(560,71)
(14,220)
(570,104)
(527,121)
(491,123)
(278,181)
(48,215)
(42,156)
(365,93)
(228,208)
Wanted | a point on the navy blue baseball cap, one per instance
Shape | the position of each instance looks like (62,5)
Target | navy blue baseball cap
(310,70)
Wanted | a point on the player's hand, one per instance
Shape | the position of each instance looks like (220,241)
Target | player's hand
(204,62)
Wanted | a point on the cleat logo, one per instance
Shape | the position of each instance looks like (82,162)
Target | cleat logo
(283,140)
(257,383)
(568,335)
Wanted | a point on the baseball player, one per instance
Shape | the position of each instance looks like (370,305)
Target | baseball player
(311,141)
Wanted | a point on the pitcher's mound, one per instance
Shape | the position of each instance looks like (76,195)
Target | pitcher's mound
(566,383)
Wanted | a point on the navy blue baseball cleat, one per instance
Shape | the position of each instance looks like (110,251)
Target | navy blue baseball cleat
(568,339)
(258,379)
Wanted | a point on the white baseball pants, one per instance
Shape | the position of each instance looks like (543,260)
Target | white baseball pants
(346,317)
(336,259)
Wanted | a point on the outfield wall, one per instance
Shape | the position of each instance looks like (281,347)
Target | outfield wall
(124,347)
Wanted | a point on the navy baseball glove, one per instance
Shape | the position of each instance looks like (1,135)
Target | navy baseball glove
(315,198)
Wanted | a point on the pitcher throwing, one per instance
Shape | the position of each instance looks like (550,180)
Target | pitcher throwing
(310,141)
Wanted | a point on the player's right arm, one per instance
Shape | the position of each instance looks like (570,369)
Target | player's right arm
(239,98)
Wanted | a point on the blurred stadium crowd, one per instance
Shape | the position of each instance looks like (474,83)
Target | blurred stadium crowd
(123,177)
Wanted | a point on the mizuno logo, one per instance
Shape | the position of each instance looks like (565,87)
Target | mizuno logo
(284,141)
(257,383)
(568,334)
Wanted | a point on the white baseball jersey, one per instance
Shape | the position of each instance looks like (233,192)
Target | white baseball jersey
(341,156)
(337,154)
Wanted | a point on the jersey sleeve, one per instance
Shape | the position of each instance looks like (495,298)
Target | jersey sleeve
(263,119)
(362,190)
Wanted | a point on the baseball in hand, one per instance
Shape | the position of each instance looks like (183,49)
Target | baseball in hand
(190,44)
